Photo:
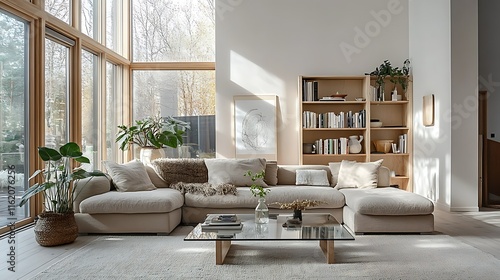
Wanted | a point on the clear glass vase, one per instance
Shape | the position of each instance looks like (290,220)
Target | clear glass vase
(261,212)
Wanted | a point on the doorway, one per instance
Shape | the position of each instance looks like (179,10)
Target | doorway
(489,152)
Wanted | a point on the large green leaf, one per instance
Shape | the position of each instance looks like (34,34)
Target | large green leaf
(47,154)
(70,149)
(36,188)
(82,159)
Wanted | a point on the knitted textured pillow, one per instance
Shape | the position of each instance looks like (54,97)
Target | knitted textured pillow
(187,170)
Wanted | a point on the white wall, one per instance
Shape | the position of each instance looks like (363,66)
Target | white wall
(263,46)
(489,57)
(430,53)
(443,48)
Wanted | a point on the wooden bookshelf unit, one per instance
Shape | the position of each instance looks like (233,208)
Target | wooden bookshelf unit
(396,118)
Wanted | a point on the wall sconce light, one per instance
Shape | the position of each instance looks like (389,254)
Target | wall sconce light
(428,110)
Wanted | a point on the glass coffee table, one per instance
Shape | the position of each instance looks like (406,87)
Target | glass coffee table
(321,227)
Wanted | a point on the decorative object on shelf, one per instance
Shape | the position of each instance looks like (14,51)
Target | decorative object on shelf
(298,206)
(396,76)
(403,76)
(261,211)
(152,134)
(255,127)
(308,148)
(375,123)
(355,144)
(381,73)
(394,94)
(428,110)
(57,225)
(383,146)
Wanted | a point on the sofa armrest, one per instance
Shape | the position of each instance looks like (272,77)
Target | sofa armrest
(88,187)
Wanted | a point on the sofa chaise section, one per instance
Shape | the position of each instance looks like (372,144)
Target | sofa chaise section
(387,210)
(98,209)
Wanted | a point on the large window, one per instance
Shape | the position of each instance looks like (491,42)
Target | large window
(168,32)
(13,121)
(56,92)
(186,95)
(173,30)
(90,108)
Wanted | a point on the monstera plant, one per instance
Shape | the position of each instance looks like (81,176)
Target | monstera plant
(56,225)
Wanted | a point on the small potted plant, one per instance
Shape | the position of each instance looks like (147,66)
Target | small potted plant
(384,70)
(261,211)
(152,134)
(57,225)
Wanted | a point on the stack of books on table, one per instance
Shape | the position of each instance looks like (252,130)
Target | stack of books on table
(221,222)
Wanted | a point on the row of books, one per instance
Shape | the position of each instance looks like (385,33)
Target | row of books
(331,120)
(310,91)
(402,146)
(332,146)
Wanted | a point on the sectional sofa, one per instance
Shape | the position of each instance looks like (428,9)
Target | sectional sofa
(183,191)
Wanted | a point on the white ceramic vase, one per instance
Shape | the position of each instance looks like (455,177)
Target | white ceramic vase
(149,154)
(355,144)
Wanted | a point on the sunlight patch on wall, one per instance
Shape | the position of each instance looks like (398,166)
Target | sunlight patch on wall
(253,77)
(429,172)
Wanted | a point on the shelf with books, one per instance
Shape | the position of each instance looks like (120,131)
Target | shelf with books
(314,88)
(395,118)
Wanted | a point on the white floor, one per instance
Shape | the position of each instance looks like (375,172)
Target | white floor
(479,229)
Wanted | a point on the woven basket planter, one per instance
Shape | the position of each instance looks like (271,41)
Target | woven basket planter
(54,229)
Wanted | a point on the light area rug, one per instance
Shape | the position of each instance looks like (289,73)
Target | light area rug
(367,257)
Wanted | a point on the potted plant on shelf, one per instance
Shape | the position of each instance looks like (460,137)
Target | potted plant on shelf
(152,134)
(396,76)
(57,225)
(261,211)
(403,75)
(381,73)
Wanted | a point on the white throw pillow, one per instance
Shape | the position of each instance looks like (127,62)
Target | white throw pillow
(231,171)
(363,175)
(311,177)
(129,177)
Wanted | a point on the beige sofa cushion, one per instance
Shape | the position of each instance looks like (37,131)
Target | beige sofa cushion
(129,177)
(155,179)
(362,175)
(158,201)
(287,173)
(387,201)
(271,177)
(384,174)
(244,199)
(231,171)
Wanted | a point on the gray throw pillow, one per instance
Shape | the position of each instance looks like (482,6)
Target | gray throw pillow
(231,171)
